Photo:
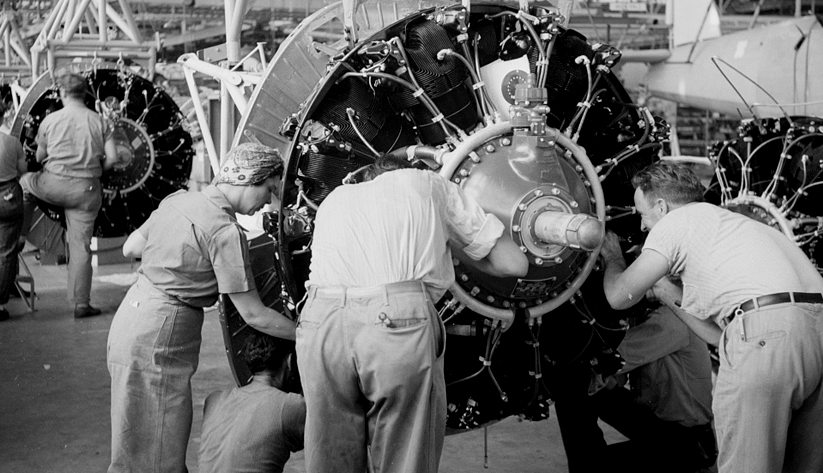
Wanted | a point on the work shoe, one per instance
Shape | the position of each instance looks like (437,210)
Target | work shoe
(83,311)
(4,315)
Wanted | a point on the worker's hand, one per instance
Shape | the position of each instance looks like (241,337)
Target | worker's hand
(611,251)
(666,291)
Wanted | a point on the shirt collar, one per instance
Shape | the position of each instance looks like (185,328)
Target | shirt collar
(213,194)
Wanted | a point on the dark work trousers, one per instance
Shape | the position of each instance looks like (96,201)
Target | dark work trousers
(654,444)
(11,223)
(577,418)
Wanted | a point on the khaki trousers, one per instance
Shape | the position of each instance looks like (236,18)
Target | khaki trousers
(81,199)
(768,399)
(371,364)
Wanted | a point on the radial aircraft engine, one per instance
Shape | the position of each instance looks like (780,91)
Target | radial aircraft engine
(773,172)
(524,115)
(153,144)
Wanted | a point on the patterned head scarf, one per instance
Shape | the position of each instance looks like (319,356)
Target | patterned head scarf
(249,164)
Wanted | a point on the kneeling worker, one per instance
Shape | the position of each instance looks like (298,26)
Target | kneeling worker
(256,427)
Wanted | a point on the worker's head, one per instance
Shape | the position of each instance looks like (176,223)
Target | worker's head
(250,177)
(72,86)
(663,187)
(264,354)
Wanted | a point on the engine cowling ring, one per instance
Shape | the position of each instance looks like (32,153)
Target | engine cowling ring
(467,150)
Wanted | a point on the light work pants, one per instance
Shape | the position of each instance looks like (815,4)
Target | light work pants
(80,199)
(768,399)
(153,351)
(371,364)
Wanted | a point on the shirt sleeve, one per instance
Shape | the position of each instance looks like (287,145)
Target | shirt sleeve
(145,229)
(665,238)
(294,421)
(468,224)
(659,336)
(229,256)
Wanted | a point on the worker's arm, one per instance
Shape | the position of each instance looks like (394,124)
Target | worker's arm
(504,260)
(625,287)
(112,158)
(22,165)
(260,317)
(671,295)
(134,245)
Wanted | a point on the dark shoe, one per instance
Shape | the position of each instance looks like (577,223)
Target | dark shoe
(81,312)
(4,315)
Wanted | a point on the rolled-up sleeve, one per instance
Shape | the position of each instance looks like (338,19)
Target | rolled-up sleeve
(229,256)
(469,226)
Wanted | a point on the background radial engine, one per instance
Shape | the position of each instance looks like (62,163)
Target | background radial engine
(773,172)
(526,117)
(154,148)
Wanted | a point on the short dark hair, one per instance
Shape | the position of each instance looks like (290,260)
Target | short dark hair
(673,182)
(384,164)
(74,85)
(263,352)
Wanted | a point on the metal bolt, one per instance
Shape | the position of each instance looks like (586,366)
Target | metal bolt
(522,305)
(464,277)
(490,148)
(538,301)
(522,207)
(523,249)
(574,204)
(507,304)
(551,143)
(556,191)
(475,290)
(538,261)
(464,172)
(457,180)
(490,298)
(506,141)
(538,193)
(558,260)
(515,228)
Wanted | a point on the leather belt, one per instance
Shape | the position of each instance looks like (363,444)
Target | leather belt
(772,299)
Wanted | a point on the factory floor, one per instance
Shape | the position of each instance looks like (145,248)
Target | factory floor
(54,391)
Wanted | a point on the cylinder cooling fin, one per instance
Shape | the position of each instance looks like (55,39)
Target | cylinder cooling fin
(153,145)
(528,118)
(773,172)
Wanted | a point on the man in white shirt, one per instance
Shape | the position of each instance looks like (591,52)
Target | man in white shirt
(369,341)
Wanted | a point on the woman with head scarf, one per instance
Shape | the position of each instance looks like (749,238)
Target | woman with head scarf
(192,250)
